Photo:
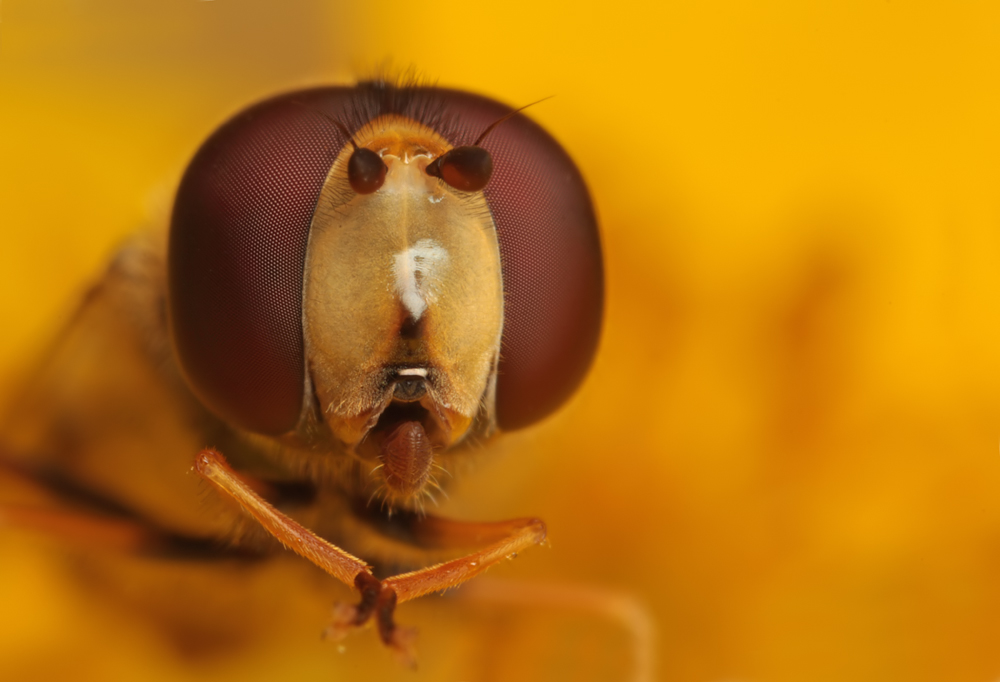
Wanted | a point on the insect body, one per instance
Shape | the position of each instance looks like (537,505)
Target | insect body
(359,285)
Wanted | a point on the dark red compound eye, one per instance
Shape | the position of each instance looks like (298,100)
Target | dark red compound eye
(550,254)
(236,257)
(240,229)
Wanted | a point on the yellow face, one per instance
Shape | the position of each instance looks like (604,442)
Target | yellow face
(403,294)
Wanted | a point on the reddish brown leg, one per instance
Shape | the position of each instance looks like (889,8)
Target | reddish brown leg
(434,532)
(521,533)
(212,466)
(24,485)
(89,530)
(42,509)
(379,598)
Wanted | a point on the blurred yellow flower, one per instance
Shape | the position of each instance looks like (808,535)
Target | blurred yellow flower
(787,451)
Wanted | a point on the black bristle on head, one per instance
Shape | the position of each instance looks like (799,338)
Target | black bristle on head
(404,96)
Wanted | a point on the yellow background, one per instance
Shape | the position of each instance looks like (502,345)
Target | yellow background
(788,447)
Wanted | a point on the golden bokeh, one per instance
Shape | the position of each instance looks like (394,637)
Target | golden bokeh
(787,451)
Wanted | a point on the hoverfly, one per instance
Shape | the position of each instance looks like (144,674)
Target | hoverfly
(359,287)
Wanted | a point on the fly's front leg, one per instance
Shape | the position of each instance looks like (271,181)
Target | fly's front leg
(350,570)
(509,538)
(212,466)
(379,598)
(58,510)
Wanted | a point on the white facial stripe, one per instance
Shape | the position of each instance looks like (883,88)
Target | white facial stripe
(413,372)
(416,270)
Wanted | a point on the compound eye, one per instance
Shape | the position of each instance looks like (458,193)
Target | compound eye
(238,240)
(550,254)
(365,171)
(467,168)
(240,232)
